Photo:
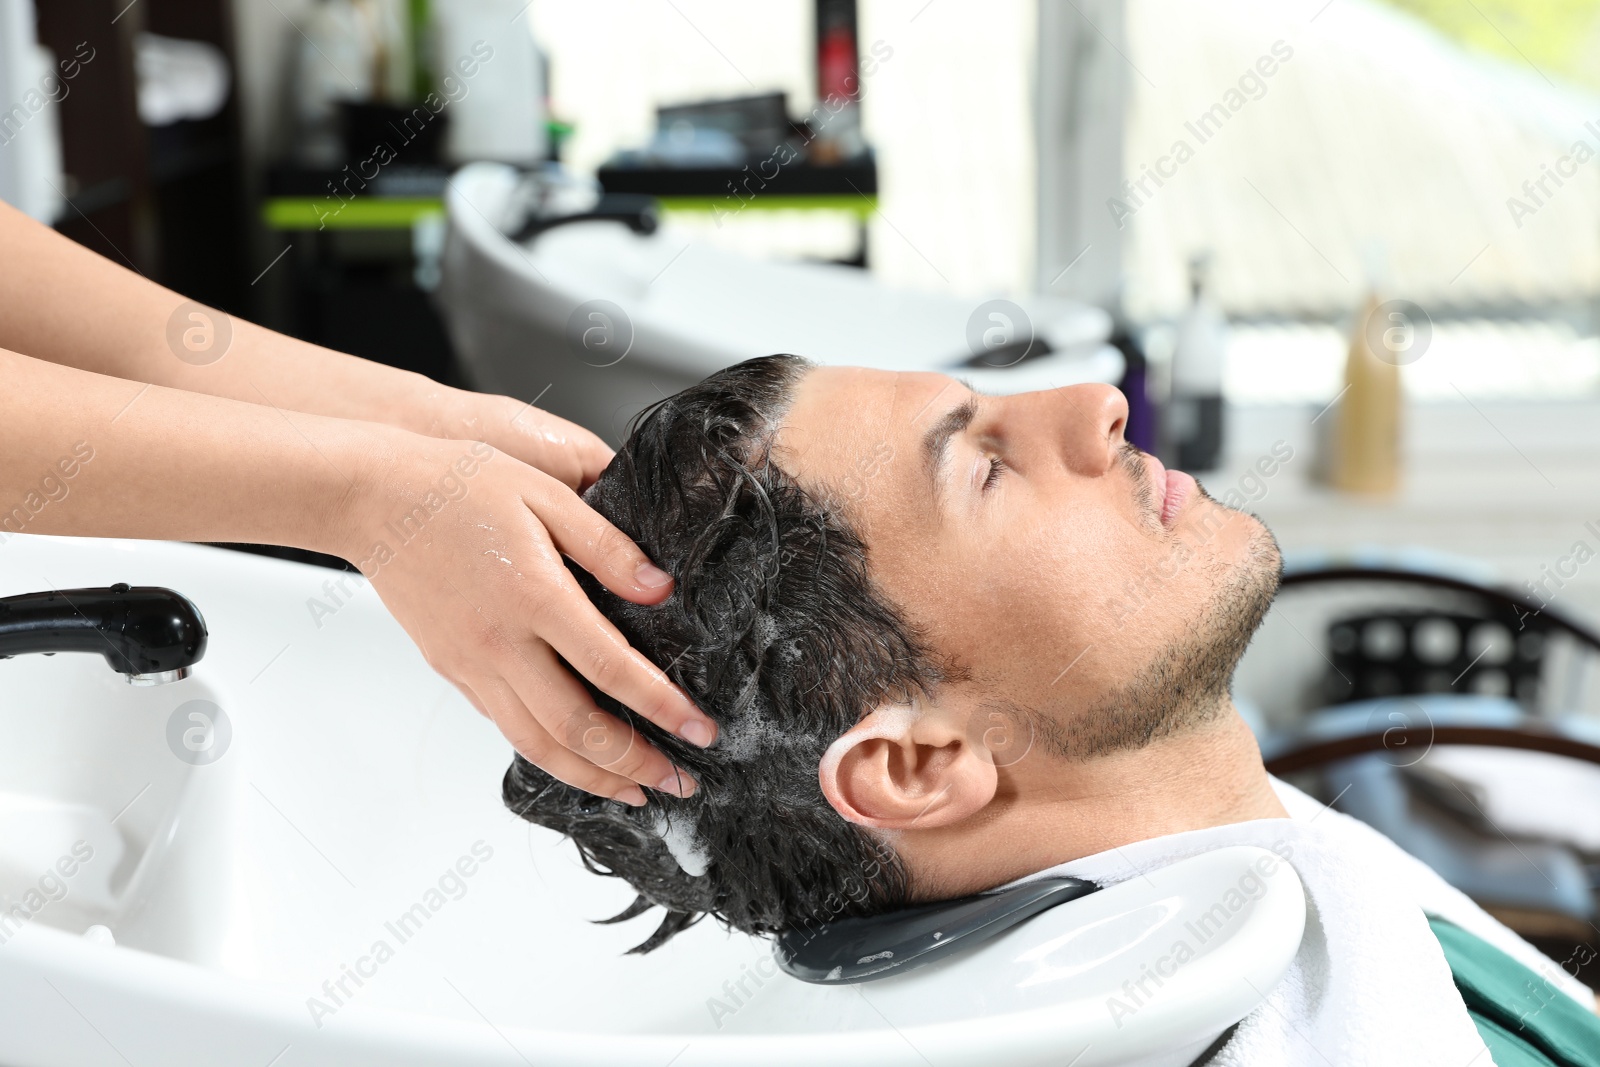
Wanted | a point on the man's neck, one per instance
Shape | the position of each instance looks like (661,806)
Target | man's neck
(1047,812)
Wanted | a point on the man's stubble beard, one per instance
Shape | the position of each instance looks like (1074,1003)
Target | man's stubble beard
(1187,684)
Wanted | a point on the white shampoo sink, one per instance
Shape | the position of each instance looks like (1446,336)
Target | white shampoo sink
(321,873)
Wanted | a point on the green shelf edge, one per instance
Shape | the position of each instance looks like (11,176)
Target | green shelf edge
(396,213)
(856,204)
(362,213)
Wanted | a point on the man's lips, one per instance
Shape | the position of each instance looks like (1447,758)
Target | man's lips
(1171,488)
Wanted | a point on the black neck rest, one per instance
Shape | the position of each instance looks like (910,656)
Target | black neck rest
(878,946)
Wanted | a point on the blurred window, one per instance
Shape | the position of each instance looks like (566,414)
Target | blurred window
(1447,153)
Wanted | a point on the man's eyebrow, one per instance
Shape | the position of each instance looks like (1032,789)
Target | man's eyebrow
(936,442)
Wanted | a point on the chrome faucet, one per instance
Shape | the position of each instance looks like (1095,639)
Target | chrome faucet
(147,634)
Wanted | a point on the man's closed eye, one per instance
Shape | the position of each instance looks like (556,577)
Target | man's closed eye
(997,466)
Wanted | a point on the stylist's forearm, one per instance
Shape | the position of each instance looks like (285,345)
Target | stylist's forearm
(95,455)
(62,303)
(485,593)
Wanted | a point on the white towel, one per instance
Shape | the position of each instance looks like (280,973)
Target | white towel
(1370,984)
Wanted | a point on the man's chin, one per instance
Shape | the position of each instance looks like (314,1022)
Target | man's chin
(1256,547)
(1262,570)
(1187,682)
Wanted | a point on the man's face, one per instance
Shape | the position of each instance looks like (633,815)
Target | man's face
(1055,568)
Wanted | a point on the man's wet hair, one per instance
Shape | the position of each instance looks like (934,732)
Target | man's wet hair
(775,629)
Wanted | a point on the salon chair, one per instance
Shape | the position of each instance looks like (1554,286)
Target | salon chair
(1440,711)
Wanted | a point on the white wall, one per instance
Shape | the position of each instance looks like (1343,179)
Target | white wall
(951,115)
(1083,91)
(265,41)
(31,84)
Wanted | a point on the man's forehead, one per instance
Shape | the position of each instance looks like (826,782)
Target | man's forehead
(841,417)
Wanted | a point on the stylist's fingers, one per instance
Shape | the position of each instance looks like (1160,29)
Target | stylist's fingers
(564,450)
(563,616)
(593,454)
(534,742)
(565,710)
(600,548)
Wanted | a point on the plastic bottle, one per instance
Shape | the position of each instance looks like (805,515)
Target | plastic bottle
(1365,454)
(837,121)
(1193,420)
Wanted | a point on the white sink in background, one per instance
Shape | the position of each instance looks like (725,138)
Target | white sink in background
(672,311)
(357,788)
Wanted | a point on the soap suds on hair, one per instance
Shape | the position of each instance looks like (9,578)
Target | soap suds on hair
(758,729)
(679,839)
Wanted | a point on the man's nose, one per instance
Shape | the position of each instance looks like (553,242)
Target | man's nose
(1087,423)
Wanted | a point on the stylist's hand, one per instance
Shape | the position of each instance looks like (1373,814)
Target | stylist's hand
(464,543)
(563,450)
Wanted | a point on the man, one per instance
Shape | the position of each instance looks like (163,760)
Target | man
(949,640)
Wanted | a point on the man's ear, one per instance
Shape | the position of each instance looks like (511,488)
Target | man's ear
(908,767)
